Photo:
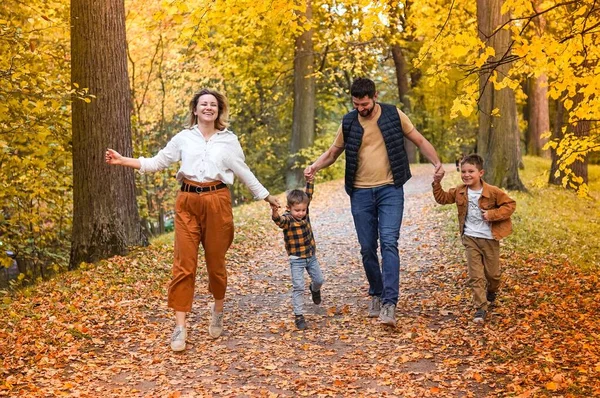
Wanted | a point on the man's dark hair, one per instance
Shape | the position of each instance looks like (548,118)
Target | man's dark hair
(363,87)
(296,196)
(473,159)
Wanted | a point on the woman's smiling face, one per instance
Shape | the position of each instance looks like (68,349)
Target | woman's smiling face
(207,109)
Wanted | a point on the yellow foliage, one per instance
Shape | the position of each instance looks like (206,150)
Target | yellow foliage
(35,159)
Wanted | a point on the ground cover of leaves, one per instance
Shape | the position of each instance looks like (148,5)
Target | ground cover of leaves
(103,331)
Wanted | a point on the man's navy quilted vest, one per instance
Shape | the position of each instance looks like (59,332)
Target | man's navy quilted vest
(391,129)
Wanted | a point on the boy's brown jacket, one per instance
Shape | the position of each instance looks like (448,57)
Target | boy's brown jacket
(498,204)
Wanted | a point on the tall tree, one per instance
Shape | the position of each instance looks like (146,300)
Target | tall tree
(498,138)
(397,23)
(539,113)
(105,215)
(574,173)
(303,124)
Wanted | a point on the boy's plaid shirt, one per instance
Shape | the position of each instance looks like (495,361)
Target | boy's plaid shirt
(298,235)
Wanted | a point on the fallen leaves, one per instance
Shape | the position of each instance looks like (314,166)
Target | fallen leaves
(104,330)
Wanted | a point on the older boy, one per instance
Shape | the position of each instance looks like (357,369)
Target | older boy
(484,218)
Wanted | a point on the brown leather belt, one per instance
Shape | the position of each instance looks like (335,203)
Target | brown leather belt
(196,189)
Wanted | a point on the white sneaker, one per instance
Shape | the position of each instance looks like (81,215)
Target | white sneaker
(215,328)
(178,338)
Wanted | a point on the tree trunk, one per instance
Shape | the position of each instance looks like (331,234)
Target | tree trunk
(403,86)
(498,140)
(303,124)
(557,133)
(401,77)
(539,113)
(579,129)
(105,215)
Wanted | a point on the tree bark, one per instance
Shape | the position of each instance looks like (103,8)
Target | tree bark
(401,78)
(539,113)
(403,86)
(105,215)
(303,124)
(579,129)
(498,139)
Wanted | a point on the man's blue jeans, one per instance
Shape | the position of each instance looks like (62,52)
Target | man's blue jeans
(297,266)
(377,214)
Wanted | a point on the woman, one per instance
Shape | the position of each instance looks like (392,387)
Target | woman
(210,157)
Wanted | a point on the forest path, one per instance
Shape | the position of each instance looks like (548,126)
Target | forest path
(435,350)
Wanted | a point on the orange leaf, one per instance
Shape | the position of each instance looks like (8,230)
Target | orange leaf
(552,386)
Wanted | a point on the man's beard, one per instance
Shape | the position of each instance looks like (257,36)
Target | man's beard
(367,112)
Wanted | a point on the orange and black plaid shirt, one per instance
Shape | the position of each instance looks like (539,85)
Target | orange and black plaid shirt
(297,234)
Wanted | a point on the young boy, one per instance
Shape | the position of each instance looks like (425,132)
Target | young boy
(484,218)
(300,246)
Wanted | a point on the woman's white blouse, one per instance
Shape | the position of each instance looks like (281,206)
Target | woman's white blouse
(218,159)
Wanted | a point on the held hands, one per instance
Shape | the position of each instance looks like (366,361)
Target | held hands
(112,157)
(309,173)
(273,201)
(274,211)
(438,173)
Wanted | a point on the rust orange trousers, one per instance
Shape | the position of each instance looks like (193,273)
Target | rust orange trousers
(200,218)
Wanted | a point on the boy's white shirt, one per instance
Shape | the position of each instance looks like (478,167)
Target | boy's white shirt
(218,159)
(475,225)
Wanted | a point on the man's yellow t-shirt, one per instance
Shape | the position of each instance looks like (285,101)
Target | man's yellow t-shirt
(374,167)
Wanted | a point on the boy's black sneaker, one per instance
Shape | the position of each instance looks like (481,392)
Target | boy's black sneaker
(316,296)
(480,315)
(301,322)
(491,297)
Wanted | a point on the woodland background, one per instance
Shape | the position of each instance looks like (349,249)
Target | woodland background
(505,78)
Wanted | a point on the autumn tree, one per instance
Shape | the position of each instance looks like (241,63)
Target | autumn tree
(303,122)
(105,216)
(537,96)
(35,152)
(397,22)
(498,139)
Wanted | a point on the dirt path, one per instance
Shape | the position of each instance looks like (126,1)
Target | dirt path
(434,351)
(344,353)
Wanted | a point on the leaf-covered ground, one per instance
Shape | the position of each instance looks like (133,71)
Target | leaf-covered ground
(103,331)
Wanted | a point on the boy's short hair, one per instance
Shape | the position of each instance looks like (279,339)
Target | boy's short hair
(363,87)
(296,196)
(473,159)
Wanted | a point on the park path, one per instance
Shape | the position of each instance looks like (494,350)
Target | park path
(434,351)
(431,352)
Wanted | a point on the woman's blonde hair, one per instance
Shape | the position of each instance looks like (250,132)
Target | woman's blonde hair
(222,114)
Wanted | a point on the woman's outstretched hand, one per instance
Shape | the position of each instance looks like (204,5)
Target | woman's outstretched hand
(113,157)
(273,201)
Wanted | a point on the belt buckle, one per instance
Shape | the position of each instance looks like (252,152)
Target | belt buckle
(197,189)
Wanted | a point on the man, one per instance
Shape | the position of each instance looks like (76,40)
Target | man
(376,169)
